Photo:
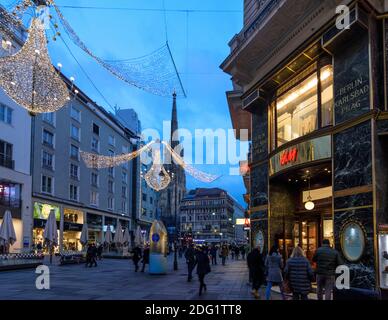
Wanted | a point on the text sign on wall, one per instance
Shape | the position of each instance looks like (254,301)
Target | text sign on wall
(311,150)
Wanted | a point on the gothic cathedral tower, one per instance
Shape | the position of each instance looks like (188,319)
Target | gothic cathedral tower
(169,200)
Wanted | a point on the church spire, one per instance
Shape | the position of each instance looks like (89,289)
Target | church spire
(174,122)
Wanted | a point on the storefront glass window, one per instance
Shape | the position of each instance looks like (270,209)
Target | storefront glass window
(327,101)
(297,111)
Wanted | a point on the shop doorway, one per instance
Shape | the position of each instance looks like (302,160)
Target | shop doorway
(291,222)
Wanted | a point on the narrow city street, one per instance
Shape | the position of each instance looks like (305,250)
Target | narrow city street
(116,280)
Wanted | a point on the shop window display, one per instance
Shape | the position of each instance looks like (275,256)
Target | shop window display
(297,109)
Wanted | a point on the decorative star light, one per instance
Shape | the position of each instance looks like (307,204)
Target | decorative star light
(29,78)
(157,177)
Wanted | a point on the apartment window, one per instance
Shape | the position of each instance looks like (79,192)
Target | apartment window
(124,177)
(96,129)
(47,184)
(111,172)
(94,198)
(111,140)
(6,150)
(124,206)
(125,150)
(94,179)
(48,117)
(151,200)
(124,191)
(74,152)
(95,144)
(75,132)
(110,203)
(75,114)
(73,192)
(74,171)
(110,186)
(48,138)
(47,160)
(144,197)
(5,114)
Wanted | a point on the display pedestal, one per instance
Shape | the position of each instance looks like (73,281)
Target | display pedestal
(158,264)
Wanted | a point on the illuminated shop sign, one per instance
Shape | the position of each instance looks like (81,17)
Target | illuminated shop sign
(288,156)
(42,211)
(304,152)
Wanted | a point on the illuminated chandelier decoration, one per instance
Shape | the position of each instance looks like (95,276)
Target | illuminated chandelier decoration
(29,78)
(157,177)
(155,73)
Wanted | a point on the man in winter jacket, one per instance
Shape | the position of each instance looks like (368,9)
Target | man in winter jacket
(191,261)
(327,260)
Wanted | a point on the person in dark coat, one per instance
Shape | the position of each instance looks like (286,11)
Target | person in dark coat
(299,273)
(327,260)
(213,254)
(237,252)
(191,261)
(255,263)
(94,255)
(203,268)
(136,256)
(146,257)
(88,256)
(274,266)
(242,252)
(99,251)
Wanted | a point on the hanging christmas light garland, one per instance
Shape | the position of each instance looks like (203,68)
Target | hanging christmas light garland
(97,161)
(157,177)
(29,78)
(195,173)
(155,73)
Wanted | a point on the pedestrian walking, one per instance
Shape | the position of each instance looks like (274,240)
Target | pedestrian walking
(274,266)
(203,268)
(88,256)
(237,252)
(136,256)
(327,260)
(213,254)
(255,263)
(224,253)
(146,257)
(299,273)
(243,252)
(191,261)
(232,252)
(99,251)
(94,256)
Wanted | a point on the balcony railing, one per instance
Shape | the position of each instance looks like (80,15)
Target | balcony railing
(7,162)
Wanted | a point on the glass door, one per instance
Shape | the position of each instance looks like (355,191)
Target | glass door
(306,235)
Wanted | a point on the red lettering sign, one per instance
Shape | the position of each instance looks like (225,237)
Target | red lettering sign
(288,156)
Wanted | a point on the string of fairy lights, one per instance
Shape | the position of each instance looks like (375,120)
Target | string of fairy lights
(157,177)
(29,78)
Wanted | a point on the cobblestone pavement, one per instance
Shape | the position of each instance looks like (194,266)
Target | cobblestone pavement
(116,279)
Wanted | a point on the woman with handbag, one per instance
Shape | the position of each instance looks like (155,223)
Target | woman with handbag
(274,266)
(299,273)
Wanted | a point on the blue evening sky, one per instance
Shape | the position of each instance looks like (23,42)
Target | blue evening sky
(199,43)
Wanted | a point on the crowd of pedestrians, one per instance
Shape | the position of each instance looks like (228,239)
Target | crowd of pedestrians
(296,275)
